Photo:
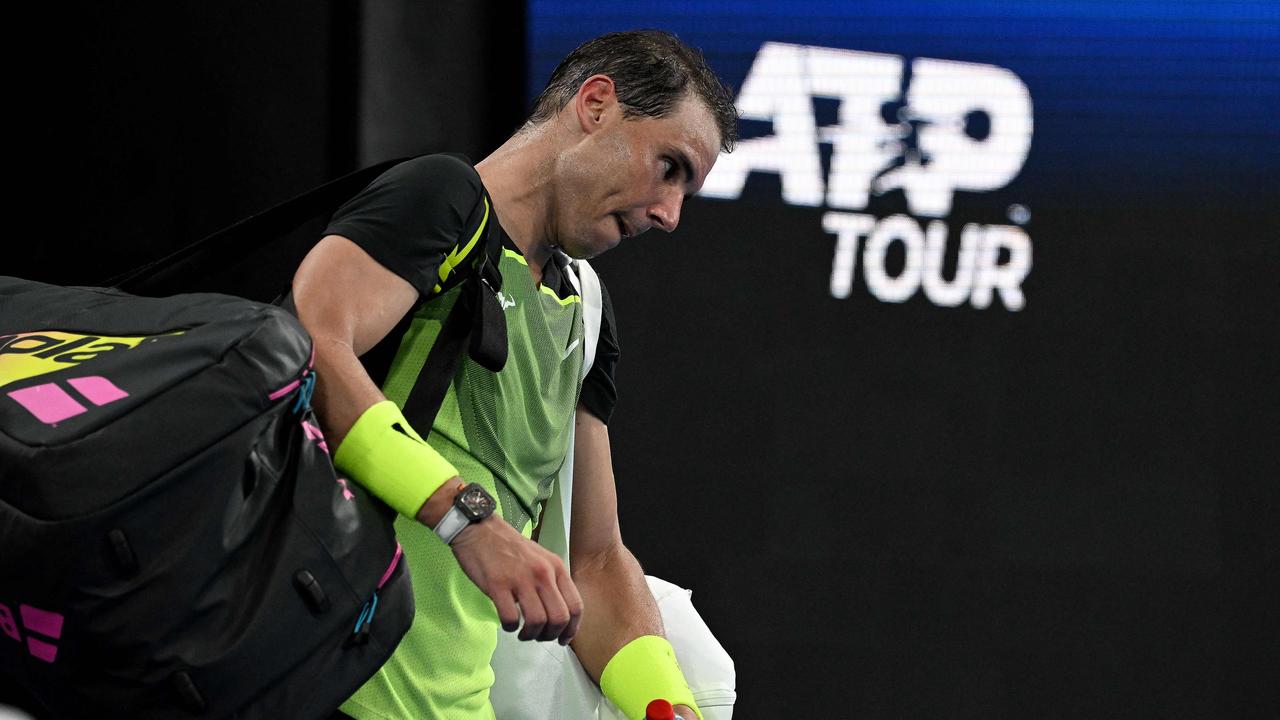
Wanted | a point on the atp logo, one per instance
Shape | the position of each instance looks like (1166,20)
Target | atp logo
(929,128)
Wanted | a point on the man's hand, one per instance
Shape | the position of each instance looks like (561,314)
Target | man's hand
(520,577)
(686,712)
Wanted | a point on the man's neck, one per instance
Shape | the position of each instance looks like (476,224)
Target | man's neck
(520,180)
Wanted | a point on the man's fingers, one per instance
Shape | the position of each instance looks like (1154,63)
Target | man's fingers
(573,601)
(508,611)
(557,611)
(535,616)
(529,586)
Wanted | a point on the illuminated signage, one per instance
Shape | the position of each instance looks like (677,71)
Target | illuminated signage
(929,128)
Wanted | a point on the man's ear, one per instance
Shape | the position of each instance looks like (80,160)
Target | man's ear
(595,103)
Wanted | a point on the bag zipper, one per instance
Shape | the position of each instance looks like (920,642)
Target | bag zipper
(360,635)
(306,381)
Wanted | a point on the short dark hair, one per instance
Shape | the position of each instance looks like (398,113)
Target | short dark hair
(652,71)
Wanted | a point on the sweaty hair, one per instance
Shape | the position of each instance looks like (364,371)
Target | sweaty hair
(652,71)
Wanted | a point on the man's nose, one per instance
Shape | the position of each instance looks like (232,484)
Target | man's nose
(665,214)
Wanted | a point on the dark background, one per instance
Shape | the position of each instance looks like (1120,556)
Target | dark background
(884,510)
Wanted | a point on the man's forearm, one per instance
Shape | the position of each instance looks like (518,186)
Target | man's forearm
(344,393)
(344,390)
(620,643)
(618,607)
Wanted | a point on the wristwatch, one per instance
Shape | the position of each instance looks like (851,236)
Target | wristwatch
(471,505)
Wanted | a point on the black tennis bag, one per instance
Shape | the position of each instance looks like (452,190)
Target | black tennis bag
(174,541)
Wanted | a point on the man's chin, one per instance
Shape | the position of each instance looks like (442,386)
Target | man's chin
(589,250)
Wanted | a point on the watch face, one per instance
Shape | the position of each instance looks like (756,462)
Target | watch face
(475,502)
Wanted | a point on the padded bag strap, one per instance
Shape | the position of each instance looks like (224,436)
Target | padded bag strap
(477,314)
(164,275)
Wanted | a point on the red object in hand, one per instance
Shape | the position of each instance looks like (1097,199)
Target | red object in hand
(659,710)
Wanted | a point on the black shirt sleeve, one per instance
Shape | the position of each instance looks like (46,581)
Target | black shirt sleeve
(412,215)
(599,388)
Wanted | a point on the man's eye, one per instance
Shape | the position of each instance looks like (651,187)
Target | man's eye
(668,167)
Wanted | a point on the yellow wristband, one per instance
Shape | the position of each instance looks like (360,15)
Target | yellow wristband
(645,670)
(383,453)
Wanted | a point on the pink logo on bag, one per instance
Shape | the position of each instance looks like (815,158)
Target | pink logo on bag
(51,404)
(36,622)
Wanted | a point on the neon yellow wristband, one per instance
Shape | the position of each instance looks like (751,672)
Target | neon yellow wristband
(399,467)
(645,670)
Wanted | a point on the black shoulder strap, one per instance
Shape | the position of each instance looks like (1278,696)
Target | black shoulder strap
(250,232)
(478,314)
(488,323)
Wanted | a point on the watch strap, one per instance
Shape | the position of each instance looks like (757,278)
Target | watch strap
(452,523)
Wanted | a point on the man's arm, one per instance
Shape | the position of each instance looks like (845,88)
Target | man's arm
(348,302)
(606,573)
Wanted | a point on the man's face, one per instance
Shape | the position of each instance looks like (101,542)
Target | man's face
(632,174)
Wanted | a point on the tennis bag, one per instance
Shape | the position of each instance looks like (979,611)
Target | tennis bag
(174,541)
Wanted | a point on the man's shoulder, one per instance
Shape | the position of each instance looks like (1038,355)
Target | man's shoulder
(435,171)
